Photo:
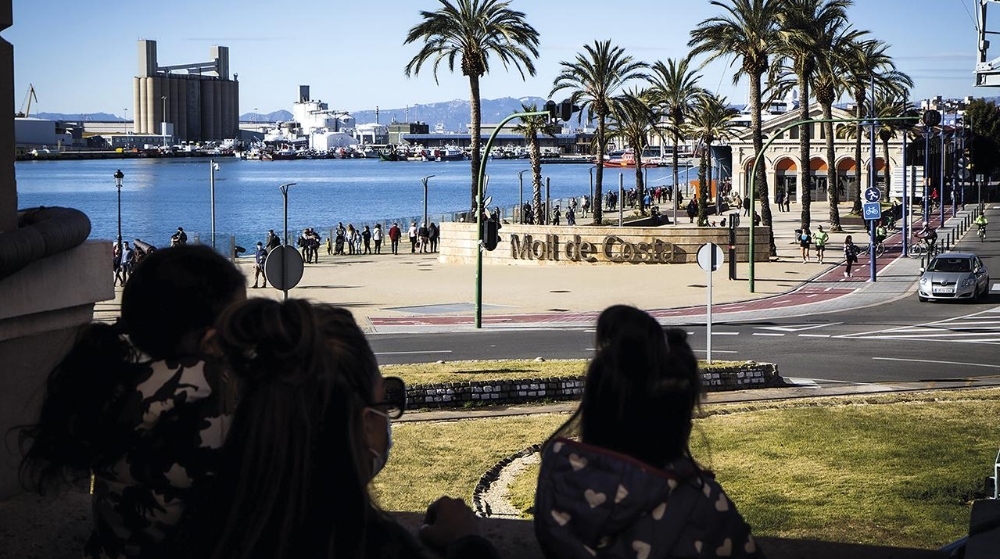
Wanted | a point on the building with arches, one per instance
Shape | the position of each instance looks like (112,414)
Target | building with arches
(782,163)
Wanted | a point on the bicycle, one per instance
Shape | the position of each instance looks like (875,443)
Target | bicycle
(982,233)
(923,250)
(867,249)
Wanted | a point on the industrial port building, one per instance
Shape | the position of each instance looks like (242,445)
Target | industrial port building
(190,102)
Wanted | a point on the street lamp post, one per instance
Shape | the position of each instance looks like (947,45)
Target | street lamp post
(119,175)
(284,268)
(941,181)
(520,182)
(212,168)
(424,180)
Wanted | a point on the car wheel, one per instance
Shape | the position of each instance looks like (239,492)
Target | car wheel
(921,298)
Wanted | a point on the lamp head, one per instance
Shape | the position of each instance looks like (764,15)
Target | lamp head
(119,175)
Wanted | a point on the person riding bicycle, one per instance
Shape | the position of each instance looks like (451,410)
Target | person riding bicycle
(981,222)
(881,232)
(929,236)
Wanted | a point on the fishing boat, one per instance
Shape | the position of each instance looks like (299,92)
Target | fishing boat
(625,160)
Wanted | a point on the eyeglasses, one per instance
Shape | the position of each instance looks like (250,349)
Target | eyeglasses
(394,400)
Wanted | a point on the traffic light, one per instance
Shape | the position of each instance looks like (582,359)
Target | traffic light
(552,109)
(931,118)
(566,110)
(491,233)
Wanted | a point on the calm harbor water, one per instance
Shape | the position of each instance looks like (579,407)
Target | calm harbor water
(158,195)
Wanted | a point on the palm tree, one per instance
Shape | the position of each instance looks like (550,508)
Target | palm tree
(675,89)
(801,23)
(471,31)
(531,126)
(633,118)
(594,77)
(869,61)
(711,120)
(829,81)
(748,31)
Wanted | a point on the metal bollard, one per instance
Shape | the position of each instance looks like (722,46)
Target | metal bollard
(232,249)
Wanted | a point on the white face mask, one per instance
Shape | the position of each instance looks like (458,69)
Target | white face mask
(379,459)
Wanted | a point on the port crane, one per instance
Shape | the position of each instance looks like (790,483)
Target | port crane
(25,112)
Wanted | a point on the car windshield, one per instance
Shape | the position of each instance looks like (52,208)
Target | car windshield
(951,265)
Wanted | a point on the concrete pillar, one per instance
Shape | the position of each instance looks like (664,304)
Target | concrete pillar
(193,124)
(140,108)
(173,103)
(182,110)
(136,102)
(236,109)
(207,109)
(225,108)
(149,111)
(8,186)
(217,111)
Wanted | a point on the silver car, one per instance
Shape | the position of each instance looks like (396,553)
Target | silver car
(954,275)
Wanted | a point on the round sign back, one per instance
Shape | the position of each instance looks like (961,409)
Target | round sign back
(283,267)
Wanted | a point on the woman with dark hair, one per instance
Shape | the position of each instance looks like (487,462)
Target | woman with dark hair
(312,429)
(630,487)
(139,406)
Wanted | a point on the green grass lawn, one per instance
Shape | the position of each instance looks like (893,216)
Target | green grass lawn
(895,469)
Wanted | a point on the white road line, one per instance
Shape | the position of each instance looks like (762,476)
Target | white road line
(767,334)
(937,362)
(725,333)
(713,351)
(814,335)
(413,352)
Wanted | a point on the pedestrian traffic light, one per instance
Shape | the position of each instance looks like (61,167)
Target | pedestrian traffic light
(491,233)
(552,109)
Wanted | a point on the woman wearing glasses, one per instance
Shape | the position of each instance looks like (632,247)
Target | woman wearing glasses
(313,427)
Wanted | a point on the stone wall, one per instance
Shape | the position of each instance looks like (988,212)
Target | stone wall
(506,392)
(535,245)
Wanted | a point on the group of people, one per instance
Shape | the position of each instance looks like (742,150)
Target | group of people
(212,425)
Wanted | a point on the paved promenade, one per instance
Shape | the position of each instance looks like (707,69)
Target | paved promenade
(416,293)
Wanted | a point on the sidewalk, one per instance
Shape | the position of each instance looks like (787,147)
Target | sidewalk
(416,293)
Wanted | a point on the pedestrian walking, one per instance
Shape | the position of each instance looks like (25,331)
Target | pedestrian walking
(394,234)
(412,234)
(746,206)
(435,233)
(821,237)
(805,241)
(692,210)
(366,238)
(377,237)
(851,254)
(259,257)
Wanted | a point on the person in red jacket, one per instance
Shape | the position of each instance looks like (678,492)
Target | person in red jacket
(394,235)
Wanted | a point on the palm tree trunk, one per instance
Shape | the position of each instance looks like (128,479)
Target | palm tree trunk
(639,185)
(760,180)
(536,180)
(598,201)
(859,100)
(833,193)
(703,189)
(805,196)
(886,171)
(677,186)
(476,130)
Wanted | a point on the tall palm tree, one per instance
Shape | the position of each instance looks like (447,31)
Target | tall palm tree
(674,87)
(531,127)
(829,81)
(747,30)
(633,119)
(471,31)
(890,103)
(710,121)
(594,78)
(870,61)
(801,23)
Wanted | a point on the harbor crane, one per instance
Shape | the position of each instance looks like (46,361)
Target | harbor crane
(25,112)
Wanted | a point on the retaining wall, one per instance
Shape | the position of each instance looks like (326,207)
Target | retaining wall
(535,245)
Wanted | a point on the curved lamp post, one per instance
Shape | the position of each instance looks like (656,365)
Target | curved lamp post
(424,180)
(520,197)
(119,176)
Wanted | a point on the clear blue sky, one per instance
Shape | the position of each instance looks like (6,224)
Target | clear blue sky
(81,55)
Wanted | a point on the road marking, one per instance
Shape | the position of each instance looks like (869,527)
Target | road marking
(725,333)
(798,327)
(713,351)
(767,334)
(936,362)
(413,352)
(814,335)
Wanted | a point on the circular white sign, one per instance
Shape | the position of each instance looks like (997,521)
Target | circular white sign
(705,254)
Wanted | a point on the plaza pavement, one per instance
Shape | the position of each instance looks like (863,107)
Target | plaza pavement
(416,293)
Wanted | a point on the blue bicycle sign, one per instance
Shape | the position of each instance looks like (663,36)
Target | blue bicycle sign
(873,210)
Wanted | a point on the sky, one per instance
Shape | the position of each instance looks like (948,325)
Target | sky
(81,55)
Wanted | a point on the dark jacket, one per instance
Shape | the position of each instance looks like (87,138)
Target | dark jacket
(592,502)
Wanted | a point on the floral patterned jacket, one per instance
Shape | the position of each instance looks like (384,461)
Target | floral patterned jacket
(591,502)
(179,419)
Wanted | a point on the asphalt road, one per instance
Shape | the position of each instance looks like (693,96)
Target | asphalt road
(900,341)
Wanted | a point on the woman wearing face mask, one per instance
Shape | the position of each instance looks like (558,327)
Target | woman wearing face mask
(313,427)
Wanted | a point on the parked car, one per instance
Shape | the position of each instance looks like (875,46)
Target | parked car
(954,275)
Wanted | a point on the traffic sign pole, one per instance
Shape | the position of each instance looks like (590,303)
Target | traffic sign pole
(710,257)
